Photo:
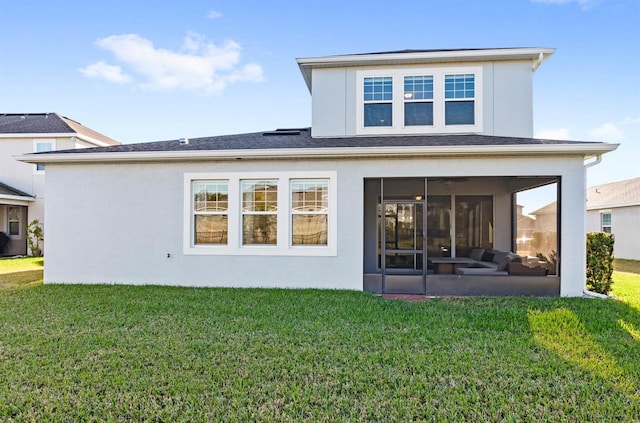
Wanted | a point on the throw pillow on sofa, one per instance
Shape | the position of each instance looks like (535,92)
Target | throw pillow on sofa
(476,254)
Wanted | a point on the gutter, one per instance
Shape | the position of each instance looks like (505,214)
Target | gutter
(585,291)
(591,294)
(319,153)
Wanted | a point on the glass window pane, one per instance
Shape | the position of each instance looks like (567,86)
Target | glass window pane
(606,219)
(211,229)
(459,86)
(210,196)
(418,114)
(259,229)
(309,229)
(309,195)
(259,196)
(459,113)
(377,114)
(14,213)
(379,88)
(418,87)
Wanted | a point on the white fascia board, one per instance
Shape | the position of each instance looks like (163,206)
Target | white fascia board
(613,206)
(82,137)
(93,141)
(18,200)
(321,153)
(426,57)
(40,135)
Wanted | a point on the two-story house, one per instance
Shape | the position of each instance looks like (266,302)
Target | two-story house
(405,183)
(21,184)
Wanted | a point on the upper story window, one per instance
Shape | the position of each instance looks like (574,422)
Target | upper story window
(459,94)
(378,97)
(426,100)
(418,100)
(41,146)
(605,222)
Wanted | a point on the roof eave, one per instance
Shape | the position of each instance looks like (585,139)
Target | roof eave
(587,150)
(306,64)
(613,206)
(15,199)
(47,135)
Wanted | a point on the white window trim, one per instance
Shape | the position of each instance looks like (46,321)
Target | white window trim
(438,126)
(51,141)
(602,226)
(284,246)
(20,222)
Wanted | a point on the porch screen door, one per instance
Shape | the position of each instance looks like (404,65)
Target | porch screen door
(402,252)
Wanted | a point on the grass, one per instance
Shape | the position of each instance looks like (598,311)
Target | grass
(628,266)
(123,353)
(21,264)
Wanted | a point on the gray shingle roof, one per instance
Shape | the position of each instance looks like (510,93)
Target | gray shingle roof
(614,194)
(47,123)
(9,190)
(301,138)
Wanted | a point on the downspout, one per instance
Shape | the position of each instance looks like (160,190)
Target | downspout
(585,291)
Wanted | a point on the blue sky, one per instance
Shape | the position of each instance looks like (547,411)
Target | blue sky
(148,70)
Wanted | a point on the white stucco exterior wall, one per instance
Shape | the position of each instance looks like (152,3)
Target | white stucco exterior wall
(506,97)
(625,226)
(116,223)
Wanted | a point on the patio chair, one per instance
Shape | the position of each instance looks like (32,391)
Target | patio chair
(4,240)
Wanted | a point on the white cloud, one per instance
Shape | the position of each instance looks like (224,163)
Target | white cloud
(553,134)
(584,4)
(213,14)
(102,70)
(201,66)
(608,132)
(631,121)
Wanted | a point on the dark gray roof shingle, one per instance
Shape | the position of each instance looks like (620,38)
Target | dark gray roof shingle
(9,190)
(47,123)
(301,138)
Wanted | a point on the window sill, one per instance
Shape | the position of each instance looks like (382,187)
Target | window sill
(260,250)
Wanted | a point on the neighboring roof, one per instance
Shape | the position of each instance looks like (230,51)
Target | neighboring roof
(9,192)
(404,57)
(550,208)
(49,123)
(615,194)
(289,143)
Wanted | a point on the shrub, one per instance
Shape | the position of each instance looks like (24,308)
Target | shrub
(599,262)
(35,235)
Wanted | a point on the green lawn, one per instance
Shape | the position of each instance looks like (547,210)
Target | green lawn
(122,353)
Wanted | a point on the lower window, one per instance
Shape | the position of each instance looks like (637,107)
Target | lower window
(260,213)
(14,221)
(210,208)
(309,209)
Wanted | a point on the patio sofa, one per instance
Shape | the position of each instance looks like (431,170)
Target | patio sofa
(501,263)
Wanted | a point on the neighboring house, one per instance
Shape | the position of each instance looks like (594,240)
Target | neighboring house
(22,184)
(406,182)
(615,208)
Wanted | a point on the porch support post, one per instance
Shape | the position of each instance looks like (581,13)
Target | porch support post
(573,260)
